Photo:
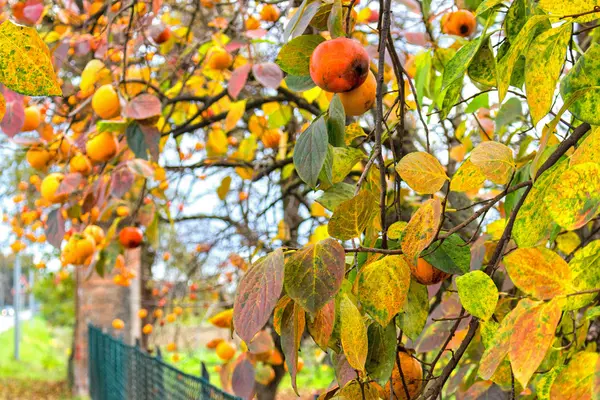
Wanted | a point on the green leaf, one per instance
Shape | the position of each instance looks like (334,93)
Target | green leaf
(336,122)
(353,216)
(136,141)
(336,195)
(545,59)
(353,334)
(112,126)
(574,198)
(294,56)
(301,19)
(452,255)
(507,64)
(313,275)
(325,175)
(334,22)
(383,288)
(532,337)
(483,67)
(534,223)
(478,294)
(423,62)
(451,97)
(299,83)
(510,111)
(539,272)
(382,352)
(26,65)
(416,310)
(152,232)
(584,76)
(310,151)
(481,101)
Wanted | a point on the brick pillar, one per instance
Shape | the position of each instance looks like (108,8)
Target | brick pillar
(98,301)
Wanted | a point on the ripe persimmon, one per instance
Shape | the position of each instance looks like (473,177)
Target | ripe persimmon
(459,23)
(222,319)
(413,377)
(102,147)
(161,35)
(252,23)
(50,185)
(219,59)
(339,65)
(213,343)
(225,351)
(142,313)
(38,157)
(360,100)
(78,250)
(105,102)
(171,347)
(118,324)
(131,237)
(427,274)
(147,329)
(33,118)
(269,13)
(80,163)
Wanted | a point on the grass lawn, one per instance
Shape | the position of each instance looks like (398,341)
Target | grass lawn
(44,352)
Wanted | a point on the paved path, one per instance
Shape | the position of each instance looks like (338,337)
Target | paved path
(7,322)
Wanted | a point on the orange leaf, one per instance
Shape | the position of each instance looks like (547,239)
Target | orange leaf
(421,229)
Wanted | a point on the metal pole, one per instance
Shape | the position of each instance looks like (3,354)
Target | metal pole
(17,303)
(31,296)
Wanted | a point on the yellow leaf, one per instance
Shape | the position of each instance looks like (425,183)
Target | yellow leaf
(539,272)
(283,231)
(560,8)
(353,216)
(216,145)
(421,229)
(236,111)
(496,228)
(223,189)
(317,210)
(568,242)
(353,334)
(495,161)
(257,125)
(574,198)
(91,74)
(422,172)
(576,380)
(319,234)
(26,62)
(589,149)
(468,177)
(383,288)
(542,72)
(222,319)
(396,229)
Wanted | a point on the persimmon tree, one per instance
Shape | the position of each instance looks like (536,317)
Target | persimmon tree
(412,186)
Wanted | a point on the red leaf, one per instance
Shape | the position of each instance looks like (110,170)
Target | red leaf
(344,373)
(121,182)
(256,33)
(242,380)
(268,74)
(152,139)
(416,38)
(234,45)
(33,10)
(14,118)
(60,52)
(257,295)
(55,228)
(238,80)
(321,326)
(292,328)
(144,106)
(70,183)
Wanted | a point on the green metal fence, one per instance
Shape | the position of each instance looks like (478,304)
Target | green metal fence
(121,372)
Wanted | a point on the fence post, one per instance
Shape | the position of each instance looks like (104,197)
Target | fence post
(17,303)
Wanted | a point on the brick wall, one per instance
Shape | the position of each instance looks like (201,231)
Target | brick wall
(99,301)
